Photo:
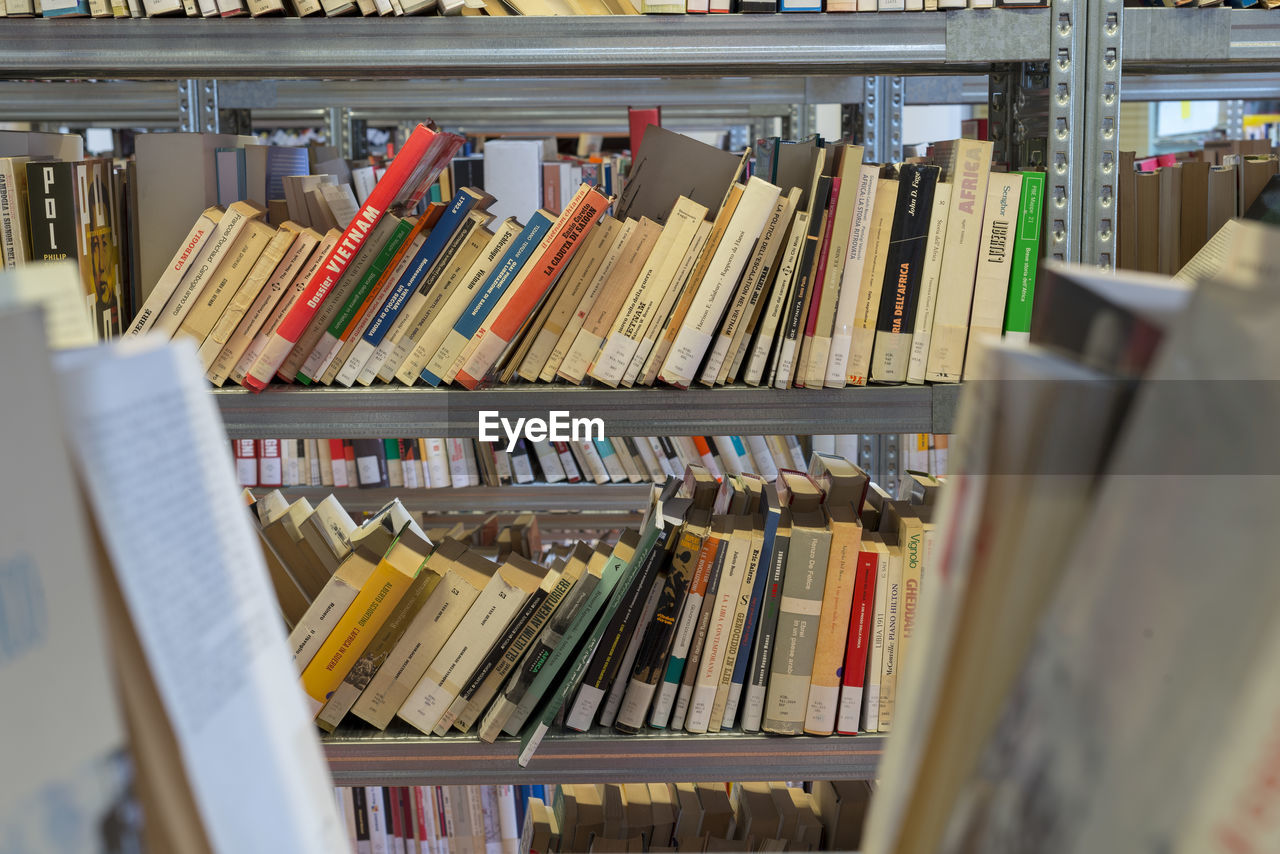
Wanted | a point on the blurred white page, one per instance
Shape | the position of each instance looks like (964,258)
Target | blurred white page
(55,286)
(158,469)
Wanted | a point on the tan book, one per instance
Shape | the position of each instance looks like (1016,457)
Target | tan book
(767,338)
(663,346)
(238,302)
(1193,229)
(287,298)
(1147,191)
(1127,212)
(991,281)
(260,309)
(814,369)
(639,306)
(863,338)
(575,283)
(516,579)
(833,622)
(966,165)
(235,220)
(185,260)
(930,276)
(892,632)
(533,327)
(465,575)
(750,288)
(737,621)
(337,296)
(573,326)
(609,302)
(450,301)
(1169,227)
(286,537)
(403,335)
(1222,197)
(679,283)
(227,279)
(1255,171)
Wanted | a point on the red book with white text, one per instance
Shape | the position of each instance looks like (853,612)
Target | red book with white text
(246,453)
(413,170)
(338,460)
(854,675)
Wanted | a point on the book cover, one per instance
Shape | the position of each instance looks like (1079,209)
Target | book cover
(930,276)
(833,621)
(1026,256)
(991,282)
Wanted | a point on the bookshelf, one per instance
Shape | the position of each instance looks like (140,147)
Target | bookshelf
(603,498)
(294,412)
(368,757)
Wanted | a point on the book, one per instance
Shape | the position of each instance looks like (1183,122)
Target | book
(771,512)
(904,269)
(1026,255)
(833,621)
(966,165)
(867,308)
(991,283)
(14,239)
(930,276)
(853,680)
(219,289)
(715,548)
(766,340)
(415,167)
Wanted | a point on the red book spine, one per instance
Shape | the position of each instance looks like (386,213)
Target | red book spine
(338,458)
(442,836)
(246,454)
(859,639)
(567,460)
(420,811)
(406,811)
(395,822)
(403,171)
(638,120)
(349,454)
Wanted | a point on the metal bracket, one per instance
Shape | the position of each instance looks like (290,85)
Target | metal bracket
(198,105)
(1066,123)
(882,118)
(1235,118)
(339,130)
(1101,146)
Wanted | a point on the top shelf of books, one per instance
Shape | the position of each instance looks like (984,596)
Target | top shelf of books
(1199,40)
(717,45)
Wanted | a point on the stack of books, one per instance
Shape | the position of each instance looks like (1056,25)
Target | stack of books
(674,625)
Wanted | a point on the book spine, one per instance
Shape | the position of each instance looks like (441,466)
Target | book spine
(606,660)
(861,618)
(393,183)
(900,288)
(930,277)
(892,638)
(659,636)
(819,289)
(833,628)
(767,340)
(790,324)
(1026,255)
(991,281)
(762,651)
(613,702)
(190,249)
(875,650)
(698,640)
(746,650)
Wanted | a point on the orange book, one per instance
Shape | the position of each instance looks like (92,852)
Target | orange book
(553,255)
(376,600)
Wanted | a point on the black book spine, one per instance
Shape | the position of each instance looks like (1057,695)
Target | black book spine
(508,637)
(607,657)
(762,654)
(651,659)
(360,813)
(908,240)
(371,462)
(51,200)
(759,6)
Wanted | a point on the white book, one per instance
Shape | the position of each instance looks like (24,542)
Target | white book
(851,276)
(363,350)
(714,651)
(595,467)
(875,656)
(378,820)
(436,464)
(522,468)
(930,276)
(149,445)
(725,708)
(191,249)
(646,353)
(995,259)
(765,465)
(867,309)
(716,287)
(212,251)
(513,176)
(459,475)
(549,461)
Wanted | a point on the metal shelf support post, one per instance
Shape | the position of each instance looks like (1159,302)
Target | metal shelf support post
(1102,118)
(882,118)
(1067,127)
(198,105)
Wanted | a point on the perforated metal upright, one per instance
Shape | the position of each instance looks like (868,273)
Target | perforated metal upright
(198,105)
(1102,142)
(882,118)
(1067,128)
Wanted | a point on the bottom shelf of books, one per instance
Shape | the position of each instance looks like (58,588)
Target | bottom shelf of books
(398,757)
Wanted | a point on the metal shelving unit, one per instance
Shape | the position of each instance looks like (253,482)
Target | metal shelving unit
(368,757)
(291,412)
(600,499)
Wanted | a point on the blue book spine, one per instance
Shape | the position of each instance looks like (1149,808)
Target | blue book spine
(771,519)
(419,267)
(502,276)
(604,448)
(282,161)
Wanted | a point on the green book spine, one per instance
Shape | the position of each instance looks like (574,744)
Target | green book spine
(1026,255)
(537,728)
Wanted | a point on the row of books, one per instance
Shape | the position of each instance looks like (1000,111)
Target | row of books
(1171,205)
(609,817)
(495,8)
(672,626)
(442,463)
(830,273)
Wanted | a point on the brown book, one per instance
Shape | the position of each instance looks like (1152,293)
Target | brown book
(1222,197)
(1126,213)
(717,812)
(1194,230)
(1148,220)
(1169,255)
(1254,172)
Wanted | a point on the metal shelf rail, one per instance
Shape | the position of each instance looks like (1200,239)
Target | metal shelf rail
(302,413)
(368,757)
